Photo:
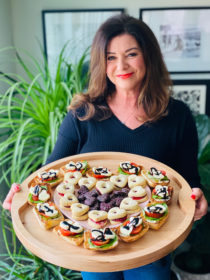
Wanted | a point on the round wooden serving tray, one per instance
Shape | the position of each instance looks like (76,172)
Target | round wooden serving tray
(152,246)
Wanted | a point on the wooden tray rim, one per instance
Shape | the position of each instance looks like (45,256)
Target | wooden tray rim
(28,240)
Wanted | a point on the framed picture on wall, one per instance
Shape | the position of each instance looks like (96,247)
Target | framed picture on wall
(76,28)
(183,35)
(195,93)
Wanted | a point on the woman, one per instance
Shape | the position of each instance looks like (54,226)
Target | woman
(128,108)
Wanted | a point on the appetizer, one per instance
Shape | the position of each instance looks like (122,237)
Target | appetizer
(155,177)
(132,229)
(64,188)
(120,181)
(87,182)
(130,205)
(104,187)
(99,172)
(80,166)
(100,239)
(97,218)
(72,177)
(162,194)
(155,214)
(79,211)
(138,193)
(135,180)
(67,200)
(71,232)
(117,215)
(38,194)
(129,168)
(51,177)
(48,214)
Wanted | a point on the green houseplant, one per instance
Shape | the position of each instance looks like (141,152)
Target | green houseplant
(31,111)
(194,254)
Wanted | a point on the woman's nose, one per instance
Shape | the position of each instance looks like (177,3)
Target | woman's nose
(121,63)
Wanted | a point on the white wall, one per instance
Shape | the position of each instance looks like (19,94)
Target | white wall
(27,24)
(6,39)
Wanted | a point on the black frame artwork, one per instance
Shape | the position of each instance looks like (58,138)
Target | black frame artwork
(184,37)
(195,93)
(75,27)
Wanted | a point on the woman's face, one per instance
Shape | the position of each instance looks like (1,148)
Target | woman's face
(125,63)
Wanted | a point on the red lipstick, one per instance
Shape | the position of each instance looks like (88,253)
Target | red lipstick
(125,76)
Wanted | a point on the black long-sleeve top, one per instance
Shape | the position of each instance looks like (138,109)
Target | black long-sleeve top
(172,140)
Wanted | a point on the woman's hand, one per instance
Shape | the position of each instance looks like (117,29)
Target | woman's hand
(201,204)
(8,200)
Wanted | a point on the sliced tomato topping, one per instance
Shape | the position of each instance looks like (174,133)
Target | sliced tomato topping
(125,223)
(154,191)
(42,214)
(49,179)
(154,215)
(126,171)
(98,176)
(35,197)
(67,170)
(99,242)
(65,232)
(163,172)
(136,230)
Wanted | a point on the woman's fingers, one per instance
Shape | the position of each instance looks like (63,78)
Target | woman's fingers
(8,200)
(201,205)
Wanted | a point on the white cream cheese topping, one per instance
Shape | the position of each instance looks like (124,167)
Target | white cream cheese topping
(48,210)
(71,226)
(101,234)
(157,208)
(71,165)
(127,165)
(162,191)
(127,229)
(50,174)
(102,171)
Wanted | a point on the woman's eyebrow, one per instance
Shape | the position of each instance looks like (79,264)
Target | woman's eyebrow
(130,49)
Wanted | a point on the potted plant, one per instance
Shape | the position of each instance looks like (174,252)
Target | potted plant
(193,256)
(32,110)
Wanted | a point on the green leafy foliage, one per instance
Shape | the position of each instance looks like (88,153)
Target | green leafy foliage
(31,111)
(203,128)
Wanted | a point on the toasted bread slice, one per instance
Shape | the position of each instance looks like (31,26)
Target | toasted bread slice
(135,237)
(88,245)
(153,182)
(48,223)
(52,185)
(155,225)
(71,239)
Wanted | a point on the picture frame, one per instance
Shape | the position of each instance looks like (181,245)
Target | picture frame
(75,27)
(184,37)
(195,93)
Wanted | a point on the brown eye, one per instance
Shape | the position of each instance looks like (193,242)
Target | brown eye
(110,58)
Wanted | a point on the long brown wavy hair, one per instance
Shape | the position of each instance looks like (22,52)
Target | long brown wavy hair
(154,94)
